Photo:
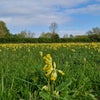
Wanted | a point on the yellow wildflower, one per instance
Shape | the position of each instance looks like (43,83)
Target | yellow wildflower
(50,68)
(48,72)
(54,65)
(56,93)
(61,72)
(73,50)
(53,75)
(47,58)
(84,59)
(46,88)
(41,53)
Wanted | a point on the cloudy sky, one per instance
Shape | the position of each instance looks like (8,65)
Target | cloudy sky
(72,16)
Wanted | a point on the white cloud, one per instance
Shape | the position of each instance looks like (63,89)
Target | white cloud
(26,13)
(92,9)
(6,19)
(35,11)
(38,19)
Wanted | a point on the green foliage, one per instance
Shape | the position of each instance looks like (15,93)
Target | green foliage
(22,76)
(4,32)
(49,35)
(44,40)
(94,34)
(25,34)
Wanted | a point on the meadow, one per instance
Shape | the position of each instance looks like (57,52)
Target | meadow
(74,73)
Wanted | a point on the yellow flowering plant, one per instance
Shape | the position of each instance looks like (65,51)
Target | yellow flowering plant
(51,74)
(50,68)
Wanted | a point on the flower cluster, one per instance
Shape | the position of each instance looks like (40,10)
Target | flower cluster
(50,68)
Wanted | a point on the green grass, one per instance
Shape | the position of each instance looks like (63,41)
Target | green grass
(22,76)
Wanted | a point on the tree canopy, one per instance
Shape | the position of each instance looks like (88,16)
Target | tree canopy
(49,35)
(53,27)
(4,32)
(94,34)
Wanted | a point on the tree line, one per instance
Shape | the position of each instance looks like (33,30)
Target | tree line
(92,35)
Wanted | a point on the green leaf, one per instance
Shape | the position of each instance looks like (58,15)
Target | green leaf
(45,95)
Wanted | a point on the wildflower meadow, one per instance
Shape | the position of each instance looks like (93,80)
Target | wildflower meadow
(56,71)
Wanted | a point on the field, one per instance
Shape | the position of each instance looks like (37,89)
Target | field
(75,71)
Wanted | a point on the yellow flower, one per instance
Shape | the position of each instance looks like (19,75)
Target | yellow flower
(53,75)
(47,58)
(48,72)
(28,50)
(84,59)
(61,72)
(56,93)
(54,65)
(98,50)
(47,67)
(73,50)
(41,53)
(46,88)
(47,61)
(50,68)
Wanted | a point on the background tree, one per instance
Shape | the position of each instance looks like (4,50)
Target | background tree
(22,34)
(71,36)
(30,34)
(49,35)
(94,34)
(4,32)
(25,34)
(65,35)
(95,30)
(54,36)
(45,35)
(53,27)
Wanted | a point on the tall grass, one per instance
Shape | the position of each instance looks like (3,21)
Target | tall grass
(22,76)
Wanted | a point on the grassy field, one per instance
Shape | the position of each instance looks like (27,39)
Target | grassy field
(22,76)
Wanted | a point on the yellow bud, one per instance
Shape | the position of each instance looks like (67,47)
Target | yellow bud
(46,88)
(54,64)
(56,93)
(84,59)
(73,50)
(61,72)
(41,53)
(53,75)
(48,56)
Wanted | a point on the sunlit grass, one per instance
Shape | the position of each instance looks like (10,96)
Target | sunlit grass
(22,75)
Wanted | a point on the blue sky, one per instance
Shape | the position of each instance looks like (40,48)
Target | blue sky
(72,16)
